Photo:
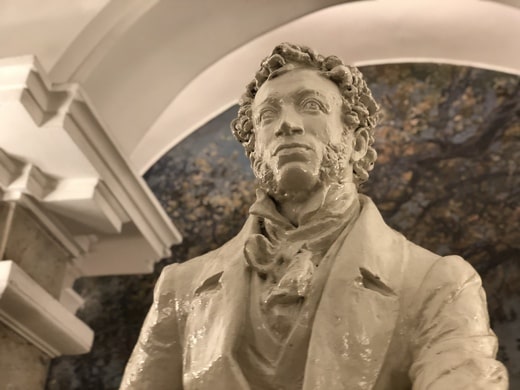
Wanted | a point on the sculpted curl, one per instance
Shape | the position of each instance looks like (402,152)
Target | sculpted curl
(360,111)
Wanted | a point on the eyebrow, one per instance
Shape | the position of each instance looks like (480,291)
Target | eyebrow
(271,101)
(301,94)
(306,92)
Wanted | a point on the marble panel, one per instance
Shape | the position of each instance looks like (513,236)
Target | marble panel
(22,365)
(30,246)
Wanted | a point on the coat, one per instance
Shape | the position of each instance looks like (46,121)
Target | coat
(392,316)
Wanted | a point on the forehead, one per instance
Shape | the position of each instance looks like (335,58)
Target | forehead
(295,82)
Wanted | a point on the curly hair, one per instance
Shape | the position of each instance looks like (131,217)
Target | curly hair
(360,110)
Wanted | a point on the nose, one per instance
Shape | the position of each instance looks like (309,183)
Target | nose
(290,125)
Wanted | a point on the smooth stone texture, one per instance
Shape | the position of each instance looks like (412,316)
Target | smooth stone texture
(205,184)
(22,365)
(30,246)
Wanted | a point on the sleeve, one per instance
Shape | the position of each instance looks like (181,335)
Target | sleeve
(156,361)
(453,345)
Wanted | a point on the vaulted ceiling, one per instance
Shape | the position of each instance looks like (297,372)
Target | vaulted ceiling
(157,70)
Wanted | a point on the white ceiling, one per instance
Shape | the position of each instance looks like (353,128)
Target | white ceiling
(155,70)
(44,29)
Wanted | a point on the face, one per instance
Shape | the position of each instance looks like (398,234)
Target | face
(296,116)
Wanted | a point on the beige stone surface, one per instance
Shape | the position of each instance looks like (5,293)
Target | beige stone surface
(22,365)
(34,250)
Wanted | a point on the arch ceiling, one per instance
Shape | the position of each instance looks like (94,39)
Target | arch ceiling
(465,32)
(157,70)
(136,56)
(28,27)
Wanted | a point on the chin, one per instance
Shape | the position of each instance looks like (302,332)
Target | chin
(292,177)
(296,180)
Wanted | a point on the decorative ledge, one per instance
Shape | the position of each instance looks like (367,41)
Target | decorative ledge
(30,311)
(58,152)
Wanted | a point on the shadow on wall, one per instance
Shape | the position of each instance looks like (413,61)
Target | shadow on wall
(447,177)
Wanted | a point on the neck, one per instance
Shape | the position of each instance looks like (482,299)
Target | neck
(294,208)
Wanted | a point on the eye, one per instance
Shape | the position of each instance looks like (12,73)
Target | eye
(267,115)
(311,105)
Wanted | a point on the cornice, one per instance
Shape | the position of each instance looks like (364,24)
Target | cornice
(30,311)
(60,154)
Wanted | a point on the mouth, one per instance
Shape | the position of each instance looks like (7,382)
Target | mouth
(292,145)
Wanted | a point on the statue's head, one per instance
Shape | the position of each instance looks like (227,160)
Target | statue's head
(306,120)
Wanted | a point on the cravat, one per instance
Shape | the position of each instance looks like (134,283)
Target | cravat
(285,256)
(287,266)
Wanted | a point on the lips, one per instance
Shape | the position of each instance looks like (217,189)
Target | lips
(292,145)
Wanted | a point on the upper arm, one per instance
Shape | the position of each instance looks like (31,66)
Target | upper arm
(156,362)
(454,346)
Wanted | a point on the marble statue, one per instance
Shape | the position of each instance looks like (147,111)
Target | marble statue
(316,291)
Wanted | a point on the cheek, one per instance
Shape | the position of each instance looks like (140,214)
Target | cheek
(315,125)
(336,131)
(261,141)
(326,130)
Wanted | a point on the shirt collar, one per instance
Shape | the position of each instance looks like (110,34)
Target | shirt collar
(336,198)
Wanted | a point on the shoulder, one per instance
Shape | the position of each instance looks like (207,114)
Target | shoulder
(450,292)
(180,277)
(438,270)
(428,273)
(184,278)
(450,275)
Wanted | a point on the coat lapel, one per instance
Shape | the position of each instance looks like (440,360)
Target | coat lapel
(356,316)
(354,321)
(216,319)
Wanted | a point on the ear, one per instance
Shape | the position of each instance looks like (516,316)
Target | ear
(359,144)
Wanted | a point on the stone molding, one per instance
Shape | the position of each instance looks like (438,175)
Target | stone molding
(52,328)
(58,152)
(74,246)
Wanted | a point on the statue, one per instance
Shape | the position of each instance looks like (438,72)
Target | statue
(316,291)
